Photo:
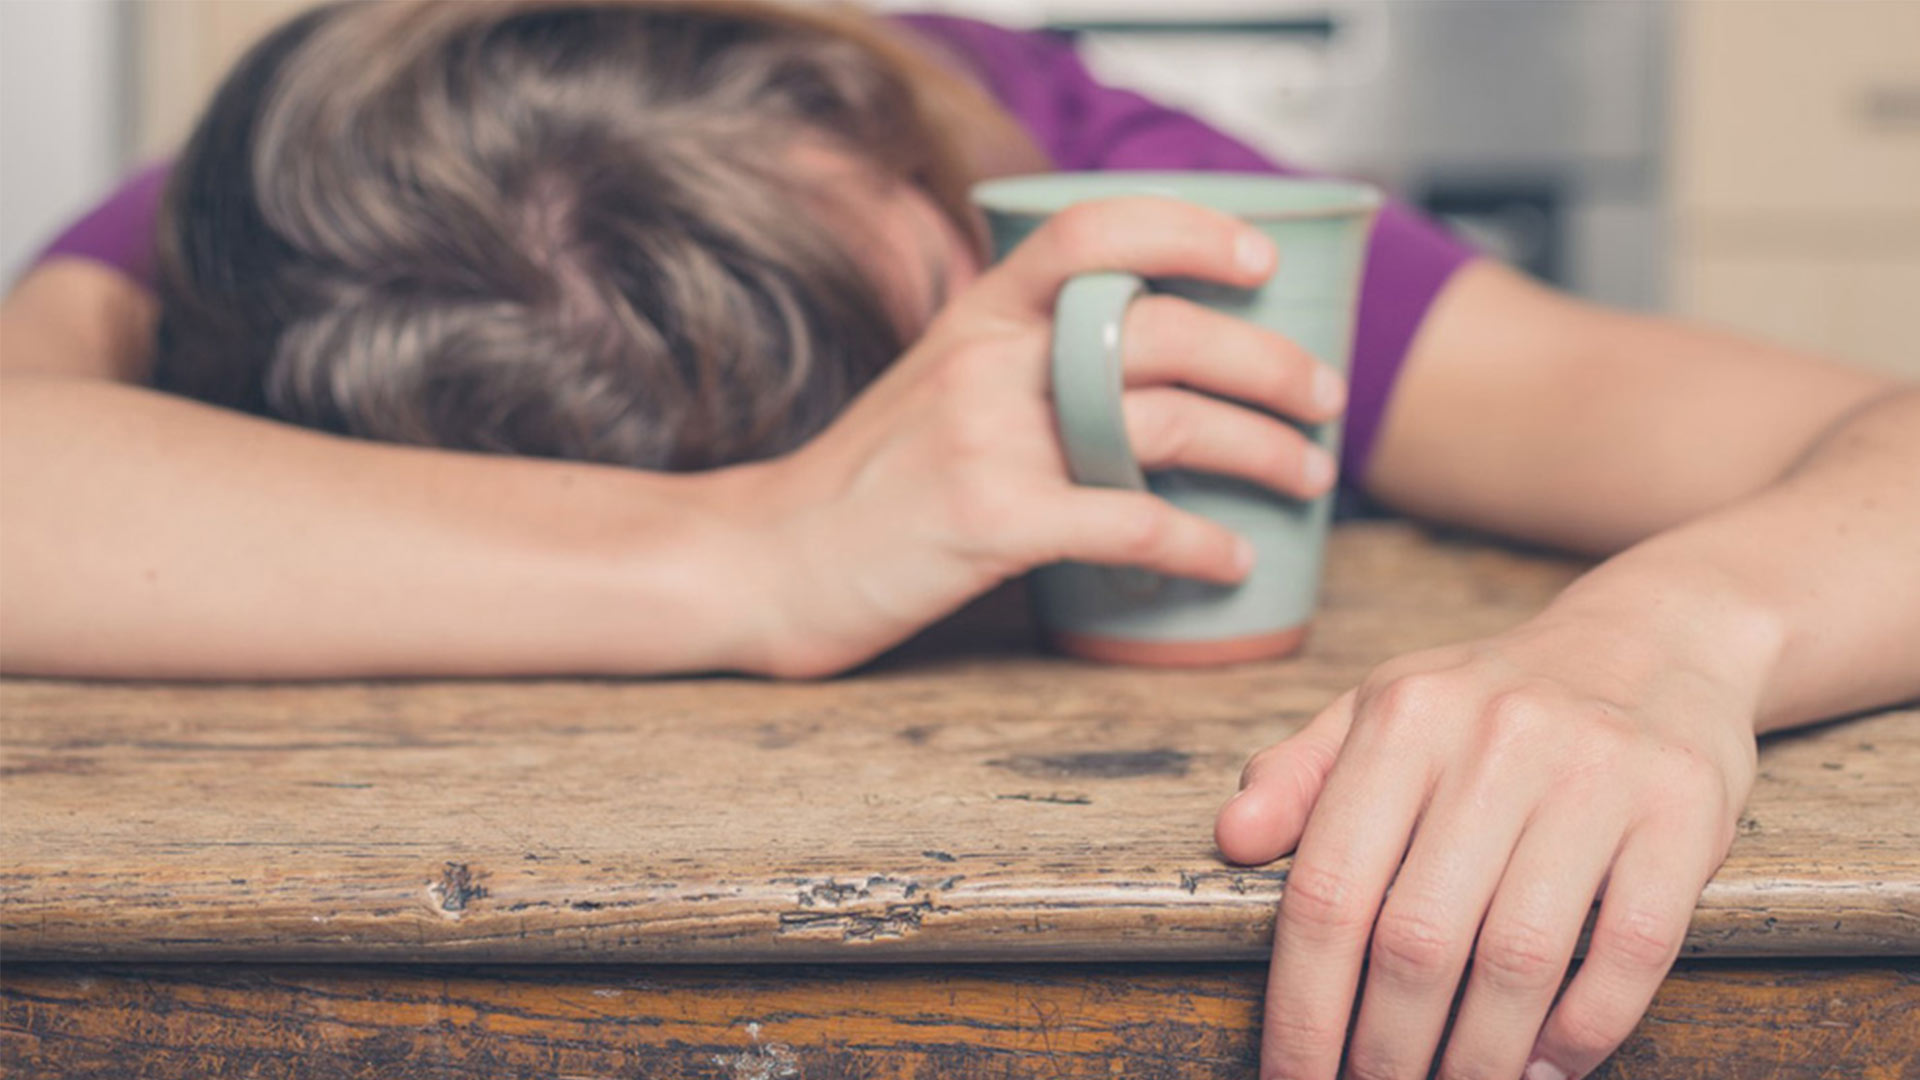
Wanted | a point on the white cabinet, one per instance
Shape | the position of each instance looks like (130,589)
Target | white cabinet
(1796,173)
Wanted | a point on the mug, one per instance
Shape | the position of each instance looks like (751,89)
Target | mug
(1133,616)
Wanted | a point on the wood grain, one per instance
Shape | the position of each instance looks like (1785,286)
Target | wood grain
(848,1022)
(967,799)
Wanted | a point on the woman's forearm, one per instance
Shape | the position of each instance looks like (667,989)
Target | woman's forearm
(150,536)
(1812,582)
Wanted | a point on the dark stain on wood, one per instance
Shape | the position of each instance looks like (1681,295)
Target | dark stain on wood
(457,887)
(1054,797)
(46,764)
(1098,764)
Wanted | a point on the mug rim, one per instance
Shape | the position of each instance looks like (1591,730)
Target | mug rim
(1015,196)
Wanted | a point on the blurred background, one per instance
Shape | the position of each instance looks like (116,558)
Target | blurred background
(1751,163)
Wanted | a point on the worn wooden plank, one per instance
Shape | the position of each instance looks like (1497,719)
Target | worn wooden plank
(1157,1022)
(968,799)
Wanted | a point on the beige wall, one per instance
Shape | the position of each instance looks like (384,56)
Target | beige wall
(1796,182)
(185,46)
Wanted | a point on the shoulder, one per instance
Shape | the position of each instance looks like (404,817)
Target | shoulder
(119,232)
(78,317)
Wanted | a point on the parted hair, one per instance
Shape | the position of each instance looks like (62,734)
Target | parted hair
(562,228)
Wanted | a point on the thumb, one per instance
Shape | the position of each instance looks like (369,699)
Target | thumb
(1279,787)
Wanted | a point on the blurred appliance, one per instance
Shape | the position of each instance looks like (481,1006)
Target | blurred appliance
(1534,127)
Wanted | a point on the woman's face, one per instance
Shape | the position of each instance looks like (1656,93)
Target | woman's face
(915,254)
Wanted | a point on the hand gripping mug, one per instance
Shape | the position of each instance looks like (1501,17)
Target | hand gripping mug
(1137,617)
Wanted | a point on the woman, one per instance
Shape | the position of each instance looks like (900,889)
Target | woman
(662,342)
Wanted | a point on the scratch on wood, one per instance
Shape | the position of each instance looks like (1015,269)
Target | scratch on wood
(1071,799)
(829,892)
(1240,881)
(892,921)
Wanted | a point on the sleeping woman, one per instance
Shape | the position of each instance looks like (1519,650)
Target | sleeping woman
(585,336)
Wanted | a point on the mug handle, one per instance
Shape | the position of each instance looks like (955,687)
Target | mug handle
(1088,380)
(1088,383)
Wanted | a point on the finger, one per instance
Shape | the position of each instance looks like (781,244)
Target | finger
(1171,428)
(1148,235)
(1353,842)
(1649,900)
(1111,527)
(1263,821)
(1527,942)
(1173,340)
(1427,924)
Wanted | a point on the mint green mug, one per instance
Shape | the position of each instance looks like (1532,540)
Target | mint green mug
(1133,616)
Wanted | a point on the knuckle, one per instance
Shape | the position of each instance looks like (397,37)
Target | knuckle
(1145,533)
(1080,231)
(1640,938)
(1258,764)
(1518,956)
(1291,372)
(1688,770)
(1406,700)
(1514,718)
(1323,902)
(1413,944)
(1472,1065)
(1303,1030)
(1159,322)
(1583,1035)
(1603,746)
(1281,450)
(1156,428)
(1367,1064)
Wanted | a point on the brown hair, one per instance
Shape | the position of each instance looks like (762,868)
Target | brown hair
(564,228)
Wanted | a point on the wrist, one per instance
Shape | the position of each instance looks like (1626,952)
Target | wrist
(657,569)
(744,514)
(1683,614)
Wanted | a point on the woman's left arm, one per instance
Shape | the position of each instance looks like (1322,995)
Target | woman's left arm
(1764,509)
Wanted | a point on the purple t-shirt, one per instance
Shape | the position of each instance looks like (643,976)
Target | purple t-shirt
(1080,125)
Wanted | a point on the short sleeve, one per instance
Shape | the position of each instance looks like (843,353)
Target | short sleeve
(1083,125)
(121,231)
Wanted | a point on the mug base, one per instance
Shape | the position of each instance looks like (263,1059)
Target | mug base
(1235,650)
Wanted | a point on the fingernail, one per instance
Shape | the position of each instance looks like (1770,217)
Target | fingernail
(1328,390)
(1255,253)
(1542,1069)
(1243,555)
(1316,469)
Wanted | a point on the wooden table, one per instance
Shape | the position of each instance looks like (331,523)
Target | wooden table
(969,860)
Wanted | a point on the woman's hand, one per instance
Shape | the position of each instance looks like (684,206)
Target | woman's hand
(1458,813)
(946,477)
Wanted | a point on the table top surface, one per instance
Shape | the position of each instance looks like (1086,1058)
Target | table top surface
(967,798)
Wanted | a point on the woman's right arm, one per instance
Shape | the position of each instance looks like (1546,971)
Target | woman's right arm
(147,535)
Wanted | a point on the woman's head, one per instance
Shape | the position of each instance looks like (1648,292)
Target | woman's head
(638,233)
